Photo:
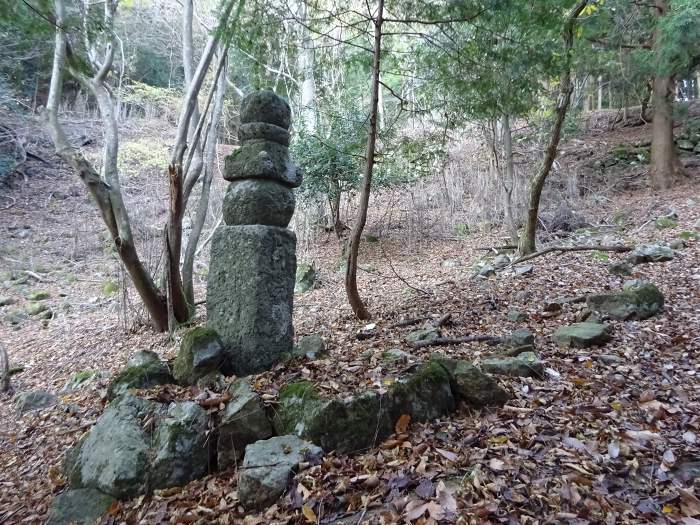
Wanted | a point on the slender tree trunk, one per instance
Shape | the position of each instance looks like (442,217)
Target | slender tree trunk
(527,244)
(510,177)
(309,116)
(358,307)
(600,92)
(203,205)
(665,165)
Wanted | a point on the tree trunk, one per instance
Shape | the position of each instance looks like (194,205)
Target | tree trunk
(354,299)
(665,165)
(203,205)
(527,244)
(509,185)
(600,92)
(305,63)
(107,192)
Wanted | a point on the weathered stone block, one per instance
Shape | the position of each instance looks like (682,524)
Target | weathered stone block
(262,159)
(250,291)
(258,201)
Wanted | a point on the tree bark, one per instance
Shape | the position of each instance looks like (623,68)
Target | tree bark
(527,244)
(665,166)
(203,205)
(509,184)
(305,63)
(358,307)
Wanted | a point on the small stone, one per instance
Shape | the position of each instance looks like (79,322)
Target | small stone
(38,296)
(34,400)
(305,278)
(396,355)
(620,268)
(471,385)
(685,145)
(523,296)
(214,381)
(6,301)
(200,353)
(80,379)
(517,316)
(79,506)
(552,306)
(144,370)
(501,261)
(677,244)
(268,467)
(527,364)
(635,303)
(424,335)
(36,308)
(520,337)
(311,346)
(243,422)
(651,253)
(523,270)
(450,263)
(487,271)
(582,335)
(609,359)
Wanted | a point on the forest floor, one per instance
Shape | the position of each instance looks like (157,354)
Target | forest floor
(611,435)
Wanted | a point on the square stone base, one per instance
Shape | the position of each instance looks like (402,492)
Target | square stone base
(250,293)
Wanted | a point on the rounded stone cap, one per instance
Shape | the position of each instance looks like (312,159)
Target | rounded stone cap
(266,106)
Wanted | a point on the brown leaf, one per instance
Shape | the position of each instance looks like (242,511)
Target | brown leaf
(415,509)
(309,514)
(451,456)
(402,423)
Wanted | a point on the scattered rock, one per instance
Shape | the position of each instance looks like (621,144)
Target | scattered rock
(610,359)
(305,278)
(523,270)
(243,422)
(424,395)
(677,244)
(516,316)
(649,253)
(426,334)
(396,355)
(78,506)
(552,306)
(487,271)
(685,145)
(214,381)
(143,370)
(200,353)
(527,364)
(311,346)
(34,400)
(268,467)
(80,379)
(449,263)
(501,261)
(582,335)
(621,268)
(38,296)
(636,303)
(36,308)
(6,301)
(523,296)
(15,317)
(471,385)
(520,337)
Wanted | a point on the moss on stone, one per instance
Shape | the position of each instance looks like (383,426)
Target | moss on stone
(143,376)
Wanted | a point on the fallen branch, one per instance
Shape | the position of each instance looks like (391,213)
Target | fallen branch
(409,322)
(496,248)
(562,249)
(443,320)
(444,341)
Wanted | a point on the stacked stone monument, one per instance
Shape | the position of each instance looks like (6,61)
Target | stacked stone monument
(250,286)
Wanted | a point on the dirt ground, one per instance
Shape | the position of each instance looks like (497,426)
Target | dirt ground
(612,435)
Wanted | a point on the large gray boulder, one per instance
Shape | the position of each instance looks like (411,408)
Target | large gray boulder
(114,456)
(243,422)
(249,294)
(200,353)
(78,506)
(144,369)
(651,253)
(268,467)
(137,446)
(526,364)
(635,303)
(582,335)
(180,446)
(471,385)
(34,400)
